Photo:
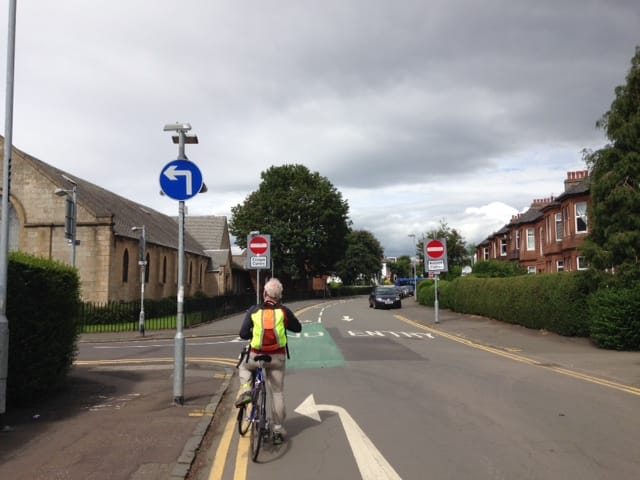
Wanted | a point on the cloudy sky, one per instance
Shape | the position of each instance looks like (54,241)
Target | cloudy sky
(416,110)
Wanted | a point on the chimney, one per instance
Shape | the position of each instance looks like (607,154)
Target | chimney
(574,178)
(540,203)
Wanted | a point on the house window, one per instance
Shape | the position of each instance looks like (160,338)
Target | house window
(559,227)
(582,263)
(518,240)
(560,266)
(503,247)
(541,232)
(164,270)
(125,266)
(581,217)
(190,272)
(146,271)
(486,253)
(200,276)
(531,239)
(531,270)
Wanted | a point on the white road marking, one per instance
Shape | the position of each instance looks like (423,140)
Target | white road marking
(371,463)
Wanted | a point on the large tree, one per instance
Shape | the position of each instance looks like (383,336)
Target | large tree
(305,215)
(362,258)
(614,215)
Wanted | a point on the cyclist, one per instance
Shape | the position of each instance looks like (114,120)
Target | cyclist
(266,325)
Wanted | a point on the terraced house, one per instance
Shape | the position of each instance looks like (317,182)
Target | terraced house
(108,237)
(548,236)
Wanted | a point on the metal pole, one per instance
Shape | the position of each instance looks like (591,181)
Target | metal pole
(258,286)
(74,241)
(143,263)
(179,355)
(435,302)
(4,228)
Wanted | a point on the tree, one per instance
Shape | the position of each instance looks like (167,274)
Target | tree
(402,267)
(362,257)
(305,215)
(614,214)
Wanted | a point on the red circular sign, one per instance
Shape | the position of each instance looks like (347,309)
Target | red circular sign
(435,249)
(258,245)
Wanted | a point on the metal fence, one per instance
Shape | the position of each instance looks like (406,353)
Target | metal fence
(159,314)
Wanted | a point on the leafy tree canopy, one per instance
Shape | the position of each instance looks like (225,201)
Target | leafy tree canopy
(305,215)
(402,267)
(362,258)
(614,215)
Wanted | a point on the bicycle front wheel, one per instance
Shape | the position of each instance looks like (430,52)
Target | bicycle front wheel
(258,425)
(244,419)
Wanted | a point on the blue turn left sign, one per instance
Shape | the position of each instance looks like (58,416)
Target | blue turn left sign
(181,179)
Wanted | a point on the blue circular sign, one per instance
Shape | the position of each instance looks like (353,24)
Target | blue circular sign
(180,179)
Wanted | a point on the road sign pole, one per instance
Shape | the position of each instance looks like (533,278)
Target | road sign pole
(258,286)
(435,302)
(179,351)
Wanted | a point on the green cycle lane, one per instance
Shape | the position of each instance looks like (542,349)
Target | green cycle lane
(313,348)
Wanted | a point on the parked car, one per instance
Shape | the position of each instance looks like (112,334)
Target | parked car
(385,296)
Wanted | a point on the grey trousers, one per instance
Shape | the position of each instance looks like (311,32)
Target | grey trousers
(275,384)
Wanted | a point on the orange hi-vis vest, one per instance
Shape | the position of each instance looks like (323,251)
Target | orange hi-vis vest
(269,330)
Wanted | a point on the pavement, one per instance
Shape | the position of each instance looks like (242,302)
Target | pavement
(119,421)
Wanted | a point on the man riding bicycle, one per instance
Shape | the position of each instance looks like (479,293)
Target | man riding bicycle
(266,325)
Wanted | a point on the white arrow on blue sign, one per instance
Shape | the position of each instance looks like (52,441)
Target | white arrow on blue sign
(180,179)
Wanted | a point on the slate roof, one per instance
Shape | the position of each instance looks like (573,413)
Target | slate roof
(160,229)
(581,188)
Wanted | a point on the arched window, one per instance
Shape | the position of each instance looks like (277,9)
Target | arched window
(164,269)
(125,266)
(146,272)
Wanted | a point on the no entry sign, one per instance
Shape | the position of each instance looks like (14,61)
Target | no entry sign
(258,252)
(259,245)
(435,249)
(435,254)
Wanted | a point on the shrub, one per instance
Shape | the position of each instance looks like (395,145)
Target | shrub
(615,318)
(495,268)
(42,333)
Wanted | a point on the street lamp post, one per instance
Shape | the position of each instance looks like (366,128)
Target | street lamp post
(143,270)
(415,267)
(179,353)
(71,216)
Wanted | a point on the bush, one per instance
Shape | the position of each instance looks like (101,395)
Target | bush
(552,301)
(615,318)
(42,333)
(495,268)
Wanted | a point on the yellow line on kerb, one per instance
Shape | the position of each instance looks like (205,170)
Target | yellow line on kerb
(217,360)
(520,358)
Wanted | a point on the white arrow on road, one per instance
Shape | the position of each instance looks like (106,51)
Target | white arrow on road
(172,174)
(371,463)
(347,318)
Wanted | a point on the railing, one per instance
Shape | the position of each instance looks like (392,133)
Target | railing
(159,314)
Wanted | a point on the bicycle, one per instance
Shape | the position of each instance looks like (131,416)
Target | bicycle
(256,419)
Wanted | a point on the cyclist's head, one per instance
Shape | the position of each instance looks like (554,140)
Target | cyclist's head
(273,289)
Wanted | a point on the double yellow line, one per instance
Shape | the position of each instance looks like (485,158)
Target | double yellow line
(519,358)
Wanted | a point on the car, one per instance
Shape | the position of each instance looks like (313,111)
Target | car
(385,296)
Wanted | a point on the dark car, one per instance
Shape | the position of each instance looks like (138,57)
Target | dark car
(385,296)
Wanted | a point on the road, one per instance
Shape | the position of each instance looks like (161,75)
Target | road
(374,394)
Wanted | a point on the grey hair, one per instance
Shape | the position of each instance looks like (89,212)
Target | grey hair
(273,289)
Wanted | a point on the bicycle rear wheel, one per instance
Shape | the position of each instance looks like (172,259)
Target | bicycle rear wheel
(244,419)
(259,423)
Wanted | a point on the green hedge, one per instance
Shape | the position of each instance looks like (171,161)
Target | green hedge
(615,318)
(42,305)
(551,302)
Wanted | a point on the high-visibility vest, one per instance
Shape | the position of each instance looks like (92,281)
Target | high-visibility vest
(269,330)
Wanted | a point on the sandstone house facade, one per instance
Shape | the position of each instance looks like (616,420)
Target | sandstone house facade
(108,251)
